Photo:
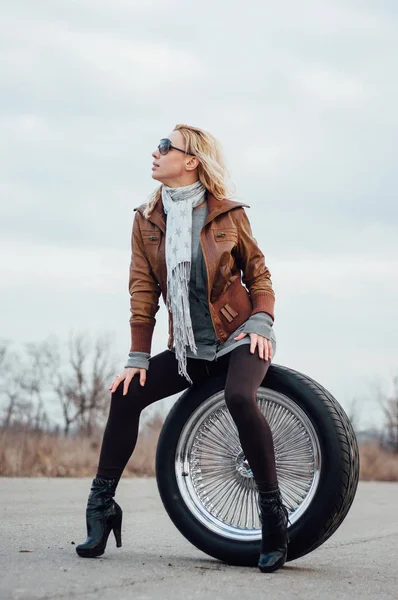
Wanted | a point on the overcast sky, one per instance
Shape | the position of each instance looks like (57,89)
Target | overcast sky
(303,96)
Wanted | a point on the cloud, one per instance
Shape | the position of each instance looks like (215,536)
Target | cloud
(303,98)
(334,88)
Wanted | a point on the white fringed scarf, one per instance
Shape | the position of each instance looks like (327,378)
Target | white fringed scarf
(178,204)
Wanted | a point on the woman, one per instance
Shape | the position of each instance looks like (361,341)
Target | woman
(195,247)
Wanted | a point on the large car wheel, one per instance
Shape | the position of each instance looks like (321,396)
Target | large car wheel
(206,484)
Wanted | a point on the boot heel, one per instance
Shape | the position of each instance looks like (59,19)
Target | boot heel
(103,515)
(274,519)
(117,530)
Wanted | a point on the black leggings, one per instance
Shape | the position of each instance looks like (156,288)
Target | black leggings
(245,372)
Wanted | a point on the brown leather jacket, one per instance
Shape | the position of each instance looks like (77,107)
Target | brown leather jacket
(231,256)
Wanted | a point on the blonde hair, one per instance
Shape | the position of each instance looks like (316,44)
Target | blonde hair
(211,170)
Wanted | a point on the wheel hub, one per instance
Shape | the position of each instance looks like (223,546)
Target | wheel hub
(242,466)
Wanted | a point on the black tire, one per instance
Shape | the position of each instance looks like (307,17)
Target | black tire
(337,477)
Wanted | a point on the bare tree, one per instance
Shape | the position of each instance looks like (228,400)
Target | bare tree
(3,352)
(81,385)
(389,406)
(78,378)
(353,414)
(35,381)
(16,407)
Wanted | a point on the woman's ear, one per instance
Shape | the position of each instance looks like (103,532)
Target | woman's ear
(192,164)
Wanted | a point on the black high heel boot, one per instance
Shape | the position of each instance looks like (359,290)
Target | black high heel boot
(274,519)
(103,515)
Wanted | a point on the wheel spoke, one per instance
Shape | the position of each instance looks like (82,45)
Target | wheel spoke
(218,484)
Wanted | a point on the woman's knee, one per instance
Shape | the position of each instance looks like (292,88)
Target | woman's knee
(135,397)
(237,399)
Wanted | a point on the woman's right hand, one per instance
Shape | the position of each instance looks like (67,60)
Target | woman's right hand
(127,376)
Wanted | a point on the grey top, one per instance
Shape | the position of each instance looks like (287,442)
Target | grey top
(208,347)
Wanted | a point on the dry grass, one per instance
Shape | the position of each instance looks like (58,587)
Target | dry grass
(377,464)
(41,454)
(38,454)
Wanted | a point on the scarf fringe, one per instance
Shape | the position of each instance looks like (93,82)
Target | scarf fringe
(178,302)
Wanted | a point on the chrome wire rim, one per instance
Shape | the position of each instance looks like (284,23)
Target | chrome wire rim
(215,480)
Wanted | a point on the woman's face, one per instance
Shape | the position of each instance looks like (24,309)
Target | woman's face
(174,167)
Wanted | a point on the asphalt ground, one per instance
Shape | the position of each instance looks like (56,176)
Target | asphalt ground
(43,519)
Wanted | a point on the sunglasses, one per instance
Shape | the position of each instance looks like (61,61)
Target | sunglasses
(165,145)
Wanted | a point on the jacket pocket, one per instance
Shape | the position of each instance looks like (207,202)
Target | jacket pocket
(234,306)
(225,235)
(150,237)
(228,312)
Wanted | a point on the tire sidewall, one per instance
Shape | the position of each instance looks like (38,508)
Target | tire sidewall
(305,532)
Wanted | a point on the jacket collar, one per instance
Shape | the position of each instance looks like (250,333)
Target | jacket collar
(215,207)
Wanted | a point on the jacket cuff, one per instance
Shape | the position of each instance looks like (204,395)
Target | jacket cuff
(139,360)
(260,323)
(141,337)
(263,302)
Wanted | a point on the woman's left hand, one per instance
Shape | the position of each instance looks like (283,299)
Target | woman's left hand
(264,345)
